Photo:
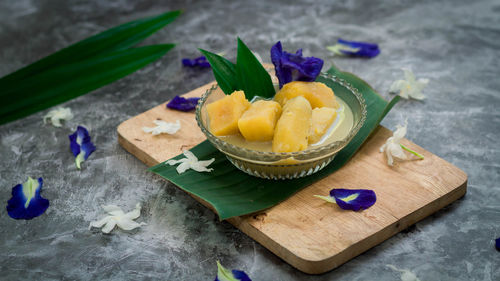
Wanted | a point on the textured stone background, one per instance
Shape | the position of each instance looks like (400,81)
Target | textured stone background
(454,43)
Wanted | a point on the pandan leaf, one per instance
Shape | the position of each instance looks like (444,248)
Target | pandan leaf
(37,86)
(253,78)
(224,72)
(65,82)
(233,193)
(114,39)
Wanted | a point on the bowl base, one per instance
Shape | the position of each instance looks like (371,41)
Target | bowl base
(277,172)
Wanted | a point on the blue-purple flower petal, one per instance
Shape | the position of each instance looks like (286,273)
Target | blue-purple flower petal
(353,199)
(294,67)
(364,49)
(224,274)
(26,202)
(497,244)
(240,275)
(183,104)
(81,145)
(199,61)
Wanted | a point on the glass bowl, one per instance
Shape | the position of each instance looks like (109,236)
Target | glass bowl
(286,165)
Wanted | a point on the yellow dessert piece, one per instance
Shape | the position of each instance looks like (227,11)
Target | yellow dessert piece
(258,122)
(317,93)
(293,127)
(223,114)
(322,118)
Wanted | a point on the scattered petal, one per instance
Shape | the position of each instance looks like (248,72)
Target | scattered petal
(351,199)
(118,218)
(26,202)
(355,49)
(410,87)
(497,244)
(199,61)
(293,67)
(406,274)
(163,127)
(56,115)
(81,145)
(224,274)
(191,162)
(394,148)
(183,104)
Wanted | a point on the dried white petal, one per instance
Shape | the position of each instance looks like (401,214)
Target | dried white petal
(392,146)
(56,115)
(118,217)
(191,162)
(163,127)
(410,87)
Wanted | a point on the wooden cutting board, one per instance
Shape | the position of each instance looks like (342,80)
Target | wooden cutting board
(310,234)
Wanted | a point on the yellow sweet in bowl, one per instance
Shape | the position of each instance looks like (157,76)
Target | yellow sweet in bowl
(292,151)
(259,121)
(318,94)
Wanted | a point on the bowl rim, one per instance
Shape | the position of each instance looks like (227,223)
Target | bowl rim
(340,144)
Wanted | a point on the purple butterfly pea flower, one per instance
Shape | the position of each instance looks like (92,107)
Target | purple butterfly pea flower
(351,199)
(81,145)
(199,61)
(294,67)
(358,49)
(224,274)
(26,202)
(183,104)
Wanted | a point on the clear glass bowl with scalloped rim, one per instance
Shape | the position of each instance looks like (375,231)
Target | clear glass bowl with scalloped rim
(286,165)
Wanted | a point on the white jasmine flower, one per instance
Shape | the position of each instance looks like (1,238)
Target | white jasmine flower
(406,274)
(191,162)
(394,148)
(163,127)
(56,115)
(410,87)
(118,217)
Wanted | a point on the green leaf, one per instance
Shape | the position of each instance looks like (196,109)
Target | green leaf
(234,193)
(252,77)
(224,72)
(59,84)
(114,39)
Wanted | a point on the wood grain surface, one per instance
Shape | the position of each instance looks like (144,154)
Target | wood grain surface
(310,234)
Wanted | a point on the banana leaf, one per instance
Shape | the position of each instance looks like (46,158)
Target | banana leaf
(81,67)
(233,193)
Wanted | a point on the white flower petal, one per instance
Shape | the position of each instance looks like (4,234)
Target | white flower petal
(389,157)
(397,85)
(183,167)
(99,223)
(163,127)
(118,217)
(396,151)
(190,155)
(174,162)
(392,146)
(135,213)
(109,226)
(56,115)
(410,87)
(191,162)
(127,224)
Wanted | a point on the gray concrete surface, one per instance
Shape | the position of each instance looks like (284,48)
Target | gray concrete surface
(456,44)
